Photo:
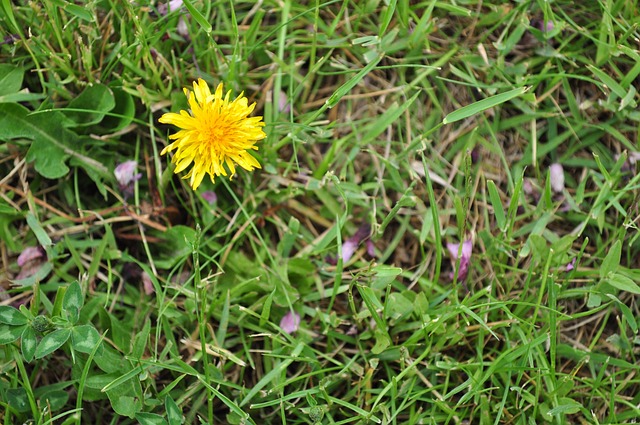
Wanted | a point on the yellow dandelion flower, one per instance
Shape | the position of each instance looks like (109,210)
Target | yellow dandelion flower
(216,131)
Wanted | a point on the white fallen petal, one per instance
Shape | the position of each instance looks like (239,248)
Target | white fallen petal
(556,177)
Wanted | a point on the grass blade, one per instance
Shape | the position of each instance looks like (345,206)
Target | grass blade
(483,105)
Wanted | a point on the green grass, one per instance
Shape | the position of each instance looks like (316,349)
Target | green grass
(434,122)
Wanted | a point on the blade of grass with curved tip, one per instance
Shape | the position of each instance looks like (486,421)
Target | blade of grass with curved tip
(482,105)
(199,17)
(351,83)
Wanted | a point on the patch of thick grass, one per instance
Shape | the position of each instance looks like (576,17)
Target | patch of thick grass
(186,296)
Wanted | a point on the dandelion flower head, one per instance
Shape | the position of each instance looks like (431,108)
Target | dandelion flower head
(215,132)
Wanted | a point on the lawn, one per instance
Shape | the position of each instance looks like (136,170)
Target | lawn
(290,212)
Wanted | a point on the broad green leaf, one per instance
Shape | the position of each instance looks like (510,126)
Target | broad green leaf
(51,342)
(539,247)
(21,96)
(110,361)
(565,385)
(623,283)
(11,316)
(10,79)
(125,392)
(81,12)
(52,144)
(174,413)
(17,398)
(124,107)
(150,419)
(398,306)
(383,341)
(564,244)
(284,293)
(38,230)
(566,406)
(388,273)
(612,260)
(384,275)
(91,105)
(55,399)
(28,343)
(140,341)
(594,300)
(72,302)
(482,105)
(125,405)
(9,333)
(84,338)
(496,203)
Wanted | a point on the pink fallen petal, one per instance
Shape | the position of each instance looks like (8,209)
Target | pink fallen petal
(290,322)
(30,260)
(349,247)
(126,173)
(175,5)
(556,177)
(283,103)
(371,248)
(633,157)
(170,6)
(571,265)
(182,28)
(546,26)
(528,188)
(210,196)
(28,254)
(465,253)
(465,257)
(147,284)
